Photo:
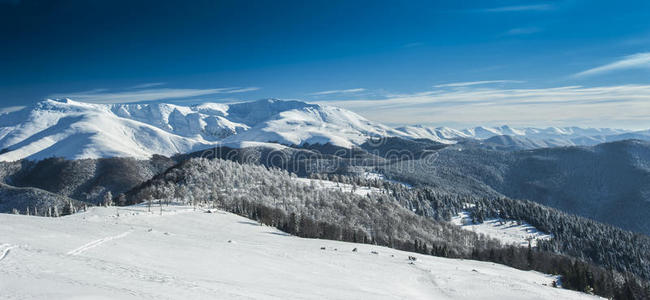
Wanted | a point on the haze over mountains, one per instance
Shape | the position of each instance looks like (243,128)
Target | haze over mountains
(73,130)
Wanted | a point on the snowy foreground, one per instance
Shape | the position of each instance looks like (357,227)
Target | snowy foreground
(186,254)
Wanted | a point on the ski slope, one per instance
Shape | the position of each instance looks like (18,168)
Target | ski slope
(187,254)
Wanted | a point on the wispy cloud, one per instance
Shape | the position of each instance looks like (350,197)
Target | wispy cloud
(148,85)
(472,83)
(532,7)
(144,95)
(567,105)
(240,90)
(523,30)
(10,109)
(348,91)
(636,61)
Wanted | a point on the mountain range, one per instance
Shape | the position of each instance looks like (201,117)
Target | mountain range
(360,181)
(74,130)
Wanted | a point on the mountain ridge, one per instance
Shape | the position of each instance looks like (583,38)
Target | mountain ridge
(74,130)
(77,130)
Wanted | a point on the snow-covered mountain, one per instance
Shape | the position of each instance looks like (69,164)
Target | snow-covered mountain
(70,129)
(441,134)
(73,129)
(543,137)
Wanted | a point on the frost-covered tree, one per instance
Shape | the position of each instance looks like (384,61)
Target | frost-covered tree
(108,199)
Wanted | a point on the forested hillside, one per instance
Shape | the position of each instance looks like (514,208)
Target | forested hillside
(37,202)
(87,180)
(609,182)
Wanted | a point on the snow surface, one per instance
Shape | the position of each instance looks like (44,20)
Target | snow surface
(186,254)
(508,232)
(377,176)
(343,187)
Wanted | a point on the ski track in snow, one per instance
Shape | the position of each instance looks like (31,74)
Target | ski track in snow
(96,243)
(4,250)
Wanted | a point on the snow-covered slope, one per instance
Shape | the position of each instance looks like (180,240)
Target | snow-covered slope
(551,136)
(444,135)
(79,130)
(186,254)
(73,129)
(343,187)
(509,232)
(315,124)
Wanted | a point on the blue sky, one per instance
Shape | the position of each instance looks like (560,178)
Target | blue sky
(453,63)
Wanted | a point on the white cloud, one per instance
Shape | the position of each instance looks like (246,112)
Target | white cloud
(241,90)
(10,109)
(471,83)
(103,96)
(338,92)
(148,85)
(533,7)
(636,61)
(625,105)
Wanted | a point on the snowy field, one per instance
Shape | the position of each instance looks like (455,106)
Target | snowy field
(186,254)
(507,231)
(343,187)
(377,176)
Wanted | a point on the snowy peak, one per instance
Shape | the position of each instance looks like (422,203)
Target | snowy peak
(315,124)
(255,112)
(441,134)
(71,129)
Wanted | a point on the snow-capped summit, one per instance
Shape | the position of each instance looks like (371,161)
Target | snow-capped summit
(314,124)
(444,135)
(71,129)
